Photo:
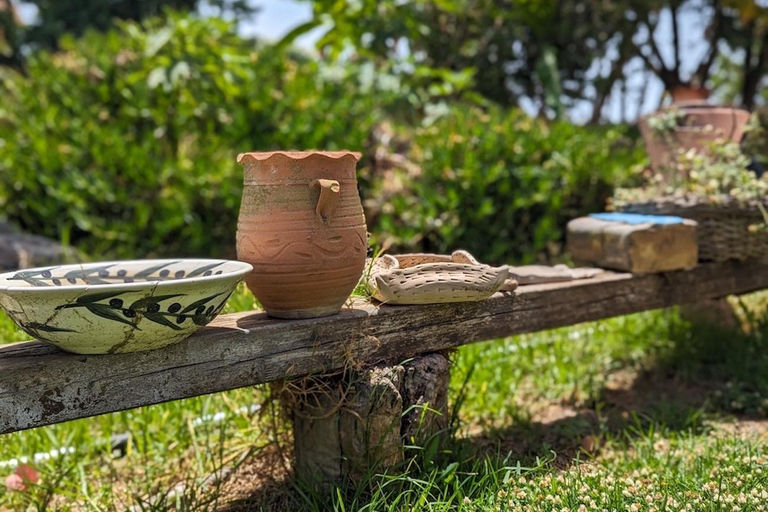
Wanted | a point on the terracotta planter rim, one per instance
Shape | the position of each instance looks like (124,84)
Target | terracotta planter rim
(299,155)
(689,91)
(696,107)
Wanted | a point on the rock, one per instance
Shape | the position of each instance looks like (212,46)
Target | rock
(641,244)
(21,250)
(217,477)
(119,444)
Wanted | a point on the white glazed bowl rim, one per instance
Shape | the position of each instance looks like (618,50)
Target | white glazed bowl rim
(242,270)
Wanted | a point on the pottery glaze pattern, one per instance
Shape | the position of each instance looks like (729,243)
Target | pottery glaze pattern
(302,228)
(119,307)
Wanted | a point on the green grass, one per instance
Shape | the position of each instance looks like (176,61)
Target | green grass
(644,412)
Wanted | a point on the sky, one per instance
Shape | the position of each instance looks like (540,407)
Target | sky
(277,17)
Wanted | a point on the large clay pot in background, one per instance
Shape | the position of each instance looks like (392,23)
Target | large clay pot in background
(683,93)
(701,125)
(302,228)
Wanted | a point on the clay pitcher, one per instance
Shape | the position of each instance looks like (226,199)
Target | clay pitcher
(302,228)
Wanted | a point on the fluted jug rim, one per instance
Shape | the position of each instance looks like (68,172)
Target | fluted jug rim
(298,155)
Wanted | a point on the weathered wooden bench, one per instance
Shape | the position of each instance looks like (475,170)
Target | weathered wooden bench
(40,385)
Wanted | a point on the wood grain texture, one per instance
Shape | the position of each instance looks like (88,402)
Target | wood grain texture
(40,385)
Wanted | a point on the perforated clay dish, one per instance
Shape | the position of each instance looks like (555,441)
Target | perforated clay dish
(435,278)
(119,306)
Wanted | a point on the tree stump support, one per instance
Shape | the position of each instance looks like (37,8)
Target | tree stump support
(348,426)
(717,312)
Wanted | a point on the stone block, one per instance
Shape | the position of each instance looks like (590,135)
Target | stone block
(641,244)
(21,250)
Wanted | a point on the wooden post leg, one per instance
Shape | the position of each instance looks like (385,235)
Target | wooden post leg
(369,423)
(358,424)
(425,398)
(718,312)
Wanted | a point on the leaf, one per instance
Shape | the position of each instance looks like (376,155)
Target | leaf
(151,270)
(180,71)
(160,319)
(107,312)
(46,328)
(223,302)
(96,297)
(156,78)
(201,319)
(203,269)
(156,41)
(75,274)
(297,32)
(449,472)
(32,273)
(95,280)
(199,303)
(220,306)
(32,277)
(35,282)
(146,301)
(98,269)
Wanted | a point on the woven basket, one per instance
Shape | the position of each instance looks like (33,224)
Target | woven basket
(723,229)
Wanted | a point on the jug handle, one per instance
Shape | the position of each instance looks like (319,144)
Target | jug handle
(329,197)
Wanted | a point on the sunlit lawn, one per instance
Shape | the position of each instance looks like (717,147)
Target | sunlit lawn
(636,413)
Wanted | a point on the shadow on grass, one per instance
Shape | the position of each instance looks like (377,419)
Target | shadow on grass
(711,370)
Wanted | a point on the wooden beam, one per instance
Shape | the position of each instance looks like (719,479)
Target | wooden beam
(40,385)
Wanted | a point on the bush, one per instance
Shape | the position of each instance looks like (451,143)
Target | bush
(499,184)
(124,143)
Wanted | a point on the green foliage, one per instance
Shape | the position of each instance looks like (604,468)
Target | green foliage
(665,121)
(124,143)
(59,17)
(540,50)
(755,143)
(719,175)
(499,184)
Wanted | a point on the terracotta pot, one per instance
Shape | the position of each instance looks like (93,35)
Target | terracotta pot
(701,125)
(302,228)
(682,94)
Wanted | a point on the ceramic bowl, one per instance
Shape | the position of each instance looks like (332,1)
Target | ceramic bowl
(119,306)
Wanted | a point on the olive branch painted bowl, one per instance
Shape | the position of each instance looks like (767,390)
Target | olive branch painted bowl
(119,306)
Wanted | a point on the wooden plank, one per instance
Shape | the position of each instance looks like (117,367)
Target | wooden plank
(40,385)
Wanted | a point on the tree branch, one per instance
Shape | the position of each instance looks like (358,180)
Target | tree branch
(615,74)
(675,38)
(713,32)
(754,74)
(652,43)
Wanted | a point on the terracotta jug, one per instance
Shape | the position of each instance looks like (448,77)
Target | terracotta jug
(302,228)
